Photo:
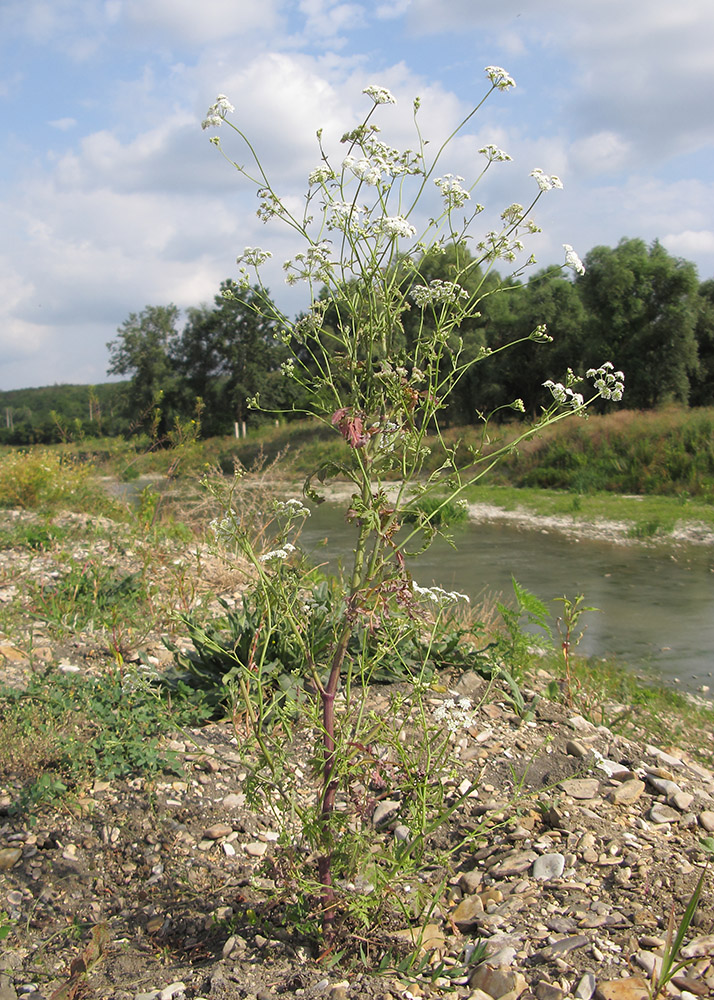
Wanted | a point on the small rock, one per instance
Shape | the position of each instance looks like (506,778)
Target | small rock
(470,881)
(384,812)
(564,946)
(548,991)
(663,785)
(9,856)
(498,982)
(681,801)
(217,831)
(171,991)
(663,814)
(631,988)
(339,991)
(699,947)
(575,749)
(234,800)
(467,913)
(581,788)
(256,849)
(514,864)
(628,791)
(7,991)
(549,866)
(585,988)
(402,834)
(706,820)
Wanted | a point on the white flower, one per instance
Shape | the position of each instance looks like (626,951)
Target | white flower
(499,77)
(396,225)
(380,95)
(319,175)
(609,384)
(440,596)
(344,215)
(453,193)
(292,508)
(253,256)
(546,182)
(455,715)
(282,553)
(492,153)
(437,291)
(564,394)
(226,529)
(216,114)
(572,259)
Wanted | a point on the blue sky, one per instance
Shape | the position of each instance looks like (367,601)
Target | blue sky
(112,198)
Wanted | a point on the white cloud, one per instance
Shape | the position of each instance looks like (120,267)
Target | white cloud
(690,243)
(63,124)
(201,23)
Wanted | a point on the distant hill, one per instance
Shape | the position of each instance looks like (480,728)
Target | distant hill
(52,413)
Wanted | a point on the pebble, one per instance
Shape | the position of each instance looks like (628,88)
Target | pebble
(706,820)
(663,814)
(9,856)
(585,988)
(384,812)
(581,788)
(256,849)
(175,989)
(468,913)
(549,866)
(217,831)
(627,792)
(631,988)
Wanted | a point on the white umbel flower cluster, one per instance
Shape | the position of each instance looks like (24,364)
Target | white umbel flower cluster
(216,114)
(455,714)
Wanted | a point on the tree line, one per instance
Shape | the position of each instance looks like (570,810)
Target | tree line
(635,305)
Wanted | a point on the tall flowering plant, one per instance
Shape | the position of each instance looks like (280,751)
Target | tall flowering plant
(364,236)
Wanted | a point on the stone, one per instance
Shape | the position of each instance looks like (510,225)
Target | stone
(628,791)
(7,990)
(514,864)
(9,856)
(256,849)
(575,749)
(631,988)
(217,831)
(470,881)
(384,812)
(467,913)
(564,946)
(548,991)
(499,981)
(663,785)
(706,820)
(663,814)
(549,866)
(234,800)
(664,758)
(585,988)
(581,788)
(699,947)
(174,989)
(428,938)
(681,801)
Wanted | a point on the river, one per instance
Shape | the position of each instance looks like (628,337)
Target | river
(656,606)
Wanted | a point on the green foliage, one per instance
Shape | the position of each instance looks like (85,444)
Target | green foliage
(32,536)
(437,511)
(63,732)
(265,653)
(519,623)
(46,480)
(91,595)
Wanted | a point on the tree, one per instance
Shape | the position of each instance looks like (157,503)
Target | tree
(142,351)
(703,380)
(226,355)
(642,314)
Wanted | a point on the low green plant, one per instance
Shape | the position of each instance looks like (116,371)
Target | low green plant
(33,536)
(570,636)
(48,480)
(670,965)
(90,595)
(517,635)
(64,731)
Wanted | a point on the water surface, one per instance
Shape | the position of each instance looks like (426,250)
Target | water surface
(657,607)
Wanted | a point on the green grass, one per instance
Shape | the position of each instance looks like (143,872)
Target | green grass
(647,516)
(63,732)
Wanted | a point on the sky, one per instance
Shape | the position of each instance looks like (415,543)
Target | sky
(112,198)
